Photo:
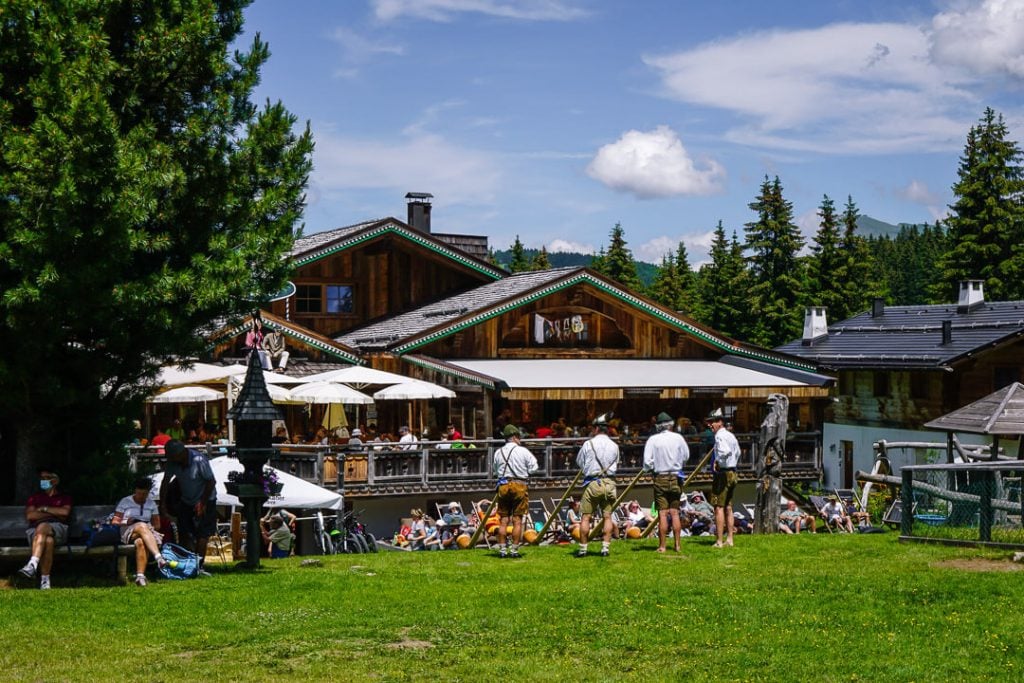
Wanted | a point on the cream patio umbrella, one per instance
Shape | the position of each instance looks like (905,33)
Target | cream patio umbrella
(357,376)
(413,390)
(188,394)
(329,392)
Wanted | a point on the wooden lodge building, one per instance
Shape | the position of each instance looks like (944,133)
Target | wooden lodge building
(900,367)
(530,347)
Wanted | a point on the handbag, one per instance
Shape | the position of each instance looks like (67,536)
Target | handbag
(102,533)
(181,563)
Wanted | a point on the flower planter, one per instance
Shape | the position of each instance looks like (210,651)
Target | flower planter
(244,490)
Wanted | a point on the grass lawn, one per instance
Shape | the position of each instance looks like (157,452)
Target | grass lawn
(807,608)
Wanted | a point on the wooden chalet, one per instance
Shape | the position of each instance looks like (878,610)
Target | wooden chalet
(532,347)
(899,367)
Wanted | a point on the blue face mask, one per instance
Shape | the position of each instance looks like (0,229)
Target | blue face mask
(45,485)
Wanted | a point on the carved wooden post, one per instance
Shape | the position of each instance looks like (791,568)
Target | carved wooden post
(768,466)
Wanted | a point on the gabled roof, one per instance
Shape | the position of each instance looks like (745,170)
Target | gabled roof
(409,331)
(911,336)
(1001,412)
(312,248)
(288,329)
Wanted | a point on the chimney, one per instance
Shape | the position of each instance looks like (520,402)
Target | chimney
(418,210)
(878,308)
(815,324)
(947,332)
(972,296)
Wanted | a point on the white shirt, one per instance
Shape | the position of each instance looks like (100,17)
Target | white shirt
(727,449)
(597,454)
(407,442)
(513,461)
(665,452)
(132,512)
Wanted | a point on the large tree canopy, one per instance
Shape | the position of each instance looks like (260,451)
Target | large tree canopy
(142,195)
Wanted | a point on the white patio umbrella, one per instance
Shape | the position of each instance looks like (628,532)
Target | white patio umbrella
(412,390)
(295,492)
(189,394)
(328,392)
(357,376)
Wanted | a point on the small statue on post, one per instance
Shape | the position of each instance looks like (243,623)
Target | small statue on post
(768,467)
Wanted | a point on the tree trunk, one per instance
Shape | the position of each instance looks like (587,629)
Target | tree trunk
(28,446)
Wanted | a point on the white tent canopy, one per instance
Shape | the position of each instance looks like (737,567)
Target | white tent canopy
(411,390)
(329,392)
(357,375)
(187,394)
(295,493)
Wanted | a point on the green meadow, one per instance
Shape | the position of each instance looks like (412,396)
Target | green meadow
(807,608)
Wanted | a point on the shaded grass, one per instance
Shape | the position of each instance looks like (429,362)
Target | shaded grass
(839,607)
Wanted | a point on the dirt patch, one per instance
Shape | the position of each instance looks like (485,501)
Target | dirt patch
(407,643)
(980,565)
(6,584)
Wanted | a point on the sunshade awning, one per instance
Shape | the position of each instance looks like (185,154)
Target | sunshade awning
(619,377)
(412,390)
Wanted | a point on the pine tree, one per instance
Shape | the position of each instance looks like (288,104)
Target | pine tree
(854,280)
(720,287)
(540,260)
(142,195)
(519,262)
(827,262)
(776,292)
(665,287)
(986,227)
(618,262)
(685,277)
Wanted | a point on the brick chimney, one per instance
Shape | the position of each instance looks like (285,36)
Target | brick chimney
(418,210)
(972,296)
(815,324)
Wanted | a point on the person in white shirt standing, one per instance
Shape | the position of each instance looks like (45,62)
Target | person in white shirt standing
(513,465)
(723,478)
(664,455)
(598,458)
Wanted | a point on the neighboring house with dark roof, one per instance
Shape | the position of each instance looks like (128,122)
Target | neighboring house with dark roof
(899,367)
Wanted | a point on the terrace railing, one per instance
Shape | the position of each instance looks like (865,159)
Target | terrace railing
(469,462)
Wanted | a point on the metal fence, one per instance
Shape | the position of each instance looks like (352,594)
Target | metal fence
(963,502)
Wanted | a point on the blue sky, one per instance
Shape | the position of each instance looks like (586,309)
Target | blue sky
(555,119)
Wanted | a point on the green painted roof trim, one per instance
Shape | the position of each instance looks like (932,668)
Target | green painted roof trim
(448,370)
(288,332)
(617,293)
(407,234)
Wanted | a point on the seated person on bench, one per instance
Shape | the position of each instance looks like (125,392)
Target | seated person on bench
(47,514)
(138,518)
(835,515)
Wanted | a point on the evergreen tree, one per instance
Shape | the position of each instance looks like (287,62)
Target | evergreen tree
(986,227)
(665,287)
(519,261)
(773,242)
(827,262)
(142,195)
(685,277)
(540,260)
(618,262)
(854,281)
(721,289)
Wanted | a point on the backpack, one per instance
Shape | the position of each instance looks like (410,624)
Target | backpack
(181,564)
(102,533)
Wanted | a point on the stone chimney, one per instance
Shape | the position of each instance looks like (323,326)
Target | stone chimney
(418,210)
(815,324)
(972,296)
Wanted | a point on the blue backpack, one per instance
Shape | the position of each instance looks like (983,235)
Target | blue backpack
(181,564)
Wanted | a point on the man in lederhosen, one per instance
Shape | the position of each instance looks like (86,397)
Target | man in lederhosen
(598,458)
(723,478)
(513,464)
(664,455)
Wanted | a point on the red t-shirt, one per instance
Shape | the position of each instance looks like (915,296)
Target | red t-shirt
(39,500)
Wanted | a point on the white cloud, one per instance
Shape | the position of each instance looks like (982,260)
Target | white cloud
(917,191)
(445,10)
(653,164)
(697,247)
(986,39)
(560,245)
(842,88)
(358,50)
(420,160)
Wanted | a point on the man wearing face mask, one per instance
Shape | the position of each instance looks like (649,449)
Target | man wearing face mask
(47,514)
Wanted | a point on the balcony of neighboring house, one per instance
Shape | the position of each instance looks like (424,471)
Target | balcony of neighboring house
(436,467)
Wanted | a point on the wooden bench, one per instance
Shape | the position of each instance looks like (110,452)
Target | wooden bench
(14,543)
